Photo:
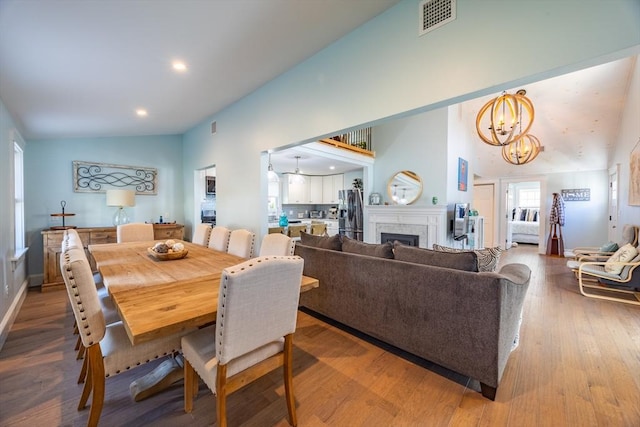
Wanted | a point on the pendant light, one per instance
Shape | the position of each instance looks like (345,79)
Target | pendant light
(296,178)
(503,116)
(272,176)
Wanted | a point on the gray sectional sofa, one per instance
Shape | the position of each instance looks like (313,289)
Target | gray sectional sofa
(463,320)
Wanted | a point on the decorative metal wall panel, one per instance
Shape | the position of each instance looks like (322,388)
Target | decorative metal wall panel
(92,177)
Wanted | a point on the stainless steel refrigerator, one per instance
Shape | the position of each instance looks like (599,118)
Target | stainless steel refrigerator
(350,217)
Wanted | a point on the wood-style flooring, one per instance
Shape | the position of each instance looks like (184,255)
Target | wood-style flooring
(578,364)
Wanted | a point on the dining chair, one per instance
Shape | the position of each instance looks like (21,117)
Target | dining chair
(201,234)
(134,232)
(276,230)
(108,348)
(241,243)
(294,230)
(277,244)
(242,346)
(219,238)
(71,239)
(319,229)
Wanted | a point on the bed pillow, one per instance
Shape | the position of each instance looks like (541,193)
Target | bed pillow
(488,258)
(466,261)
(382,250)
(624,254)
(323,242)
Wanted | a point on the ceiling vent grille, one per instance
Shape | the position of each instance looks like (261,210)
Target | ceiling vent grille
(435,13)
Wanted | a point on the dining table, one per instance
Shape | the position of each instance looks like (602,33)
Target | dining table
(157,298)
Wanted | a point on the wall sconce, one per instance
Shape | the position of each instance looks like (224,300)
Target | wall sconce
(121,199)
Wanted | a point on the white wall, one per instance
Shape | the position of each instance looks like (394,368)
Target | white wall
(417,143)
(383,69)
(628,137)
(12,281)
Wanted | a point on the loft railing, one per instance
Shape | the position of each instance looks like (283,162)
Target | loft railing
(357,140)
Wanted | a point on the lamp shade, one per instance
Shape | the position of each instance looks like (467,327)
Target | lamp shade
(121,198)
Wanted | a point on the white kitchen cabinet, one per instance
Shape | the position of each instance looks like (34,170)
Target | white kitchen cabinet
(331,184)
(314,189)
(294,192)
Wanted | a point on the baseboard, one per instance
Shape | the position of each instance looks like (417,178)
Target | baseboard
(12,313)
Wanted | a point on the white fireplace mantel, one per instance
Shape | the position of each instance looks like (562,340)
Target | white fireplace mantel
(429,223)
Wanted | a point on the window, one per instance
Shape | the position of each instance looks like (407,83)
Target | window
(19,196)
(529,198)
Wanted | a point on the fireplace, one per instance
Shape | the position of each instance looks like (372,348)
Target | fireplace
(405,239)
(428,223)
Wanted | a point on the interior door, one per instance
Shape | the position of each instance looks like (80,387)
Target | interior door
(484,203)
(613,203)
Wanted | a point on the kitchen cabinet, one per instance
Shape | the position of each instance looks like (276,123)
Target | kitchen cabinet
(331,184)
(52,247)
(315,189)
(294,192)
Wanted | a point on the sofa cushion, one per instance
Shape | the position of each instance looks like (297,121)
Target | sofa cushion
(487,258)
(466,261)
(384,250)
(324,242)
(624,254)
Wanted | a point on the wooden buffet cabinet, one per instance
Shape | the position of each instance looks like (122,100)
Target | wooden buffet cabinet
(52,246)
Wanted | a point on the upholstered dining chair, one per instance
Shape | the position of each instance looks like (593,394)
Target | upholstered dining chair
(241,243)
(134,232)
(201,234)
(277,244)
(219,238)
(242,345)
(71,239)
(108,348)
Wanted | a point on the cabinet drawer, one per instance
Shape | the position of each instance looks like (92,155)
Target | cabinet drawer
(100,237)
(52,240)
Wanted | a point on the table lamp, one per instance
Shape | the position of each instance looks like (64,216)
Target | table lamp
(121,198)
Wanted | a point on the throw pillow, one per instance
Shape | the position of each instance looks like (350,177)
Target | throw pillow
(624,254)
(609,247)
(466,261)
(323,242)
(487,258)
(383,250)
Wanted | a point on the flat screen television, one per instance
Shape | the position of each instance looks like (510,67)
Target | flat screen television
(460,220)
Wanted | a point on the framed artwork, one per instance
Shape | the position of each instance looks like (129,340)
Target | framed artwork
(93,177)
(634,176)
(463,172)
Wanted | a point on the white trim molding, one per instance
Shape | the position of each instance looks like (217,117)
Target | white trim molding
(429,223)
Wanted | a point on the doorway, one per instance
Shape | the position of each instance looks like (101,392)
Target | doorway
(523,210)
(204,190)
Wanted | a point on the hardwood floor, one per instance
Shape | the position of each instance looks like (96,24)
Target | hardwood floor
(578,364)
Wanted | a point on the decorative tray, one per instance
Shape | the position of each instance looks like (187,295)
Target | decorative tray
(168,256)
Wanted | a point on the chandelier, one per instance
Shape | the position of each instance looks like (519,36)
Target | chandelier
(503,116)
(521,151)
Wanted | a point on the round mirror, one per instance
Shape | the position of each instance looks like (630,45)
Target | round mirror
(404,188)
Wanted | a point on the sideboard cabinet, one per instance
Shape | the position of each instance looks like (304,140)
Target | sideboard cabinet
(52,246)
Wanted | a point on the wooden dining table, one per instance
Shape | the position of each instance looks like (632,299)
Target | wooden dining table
(157,298)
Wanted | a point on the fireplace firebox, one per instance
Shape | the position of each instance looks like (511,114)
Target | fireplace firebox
(405,239)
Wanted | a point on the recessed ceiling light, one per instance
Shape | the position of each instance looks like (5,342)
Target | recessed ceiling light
(332,167)
(142,112)
(179,66)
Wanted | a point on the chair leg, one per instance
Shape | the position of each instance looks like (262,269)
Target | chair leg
(83,370)
(288,379)
(96,366)
(189,389)
(81,351)
(86,390)
(221,396)
(78,343)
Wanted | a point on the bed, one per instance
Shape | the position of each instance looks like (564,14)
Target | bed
(524,226)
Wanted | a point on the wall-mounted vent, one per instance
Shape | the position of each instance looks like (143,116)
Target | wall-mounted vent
(214,127)
(435,13)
